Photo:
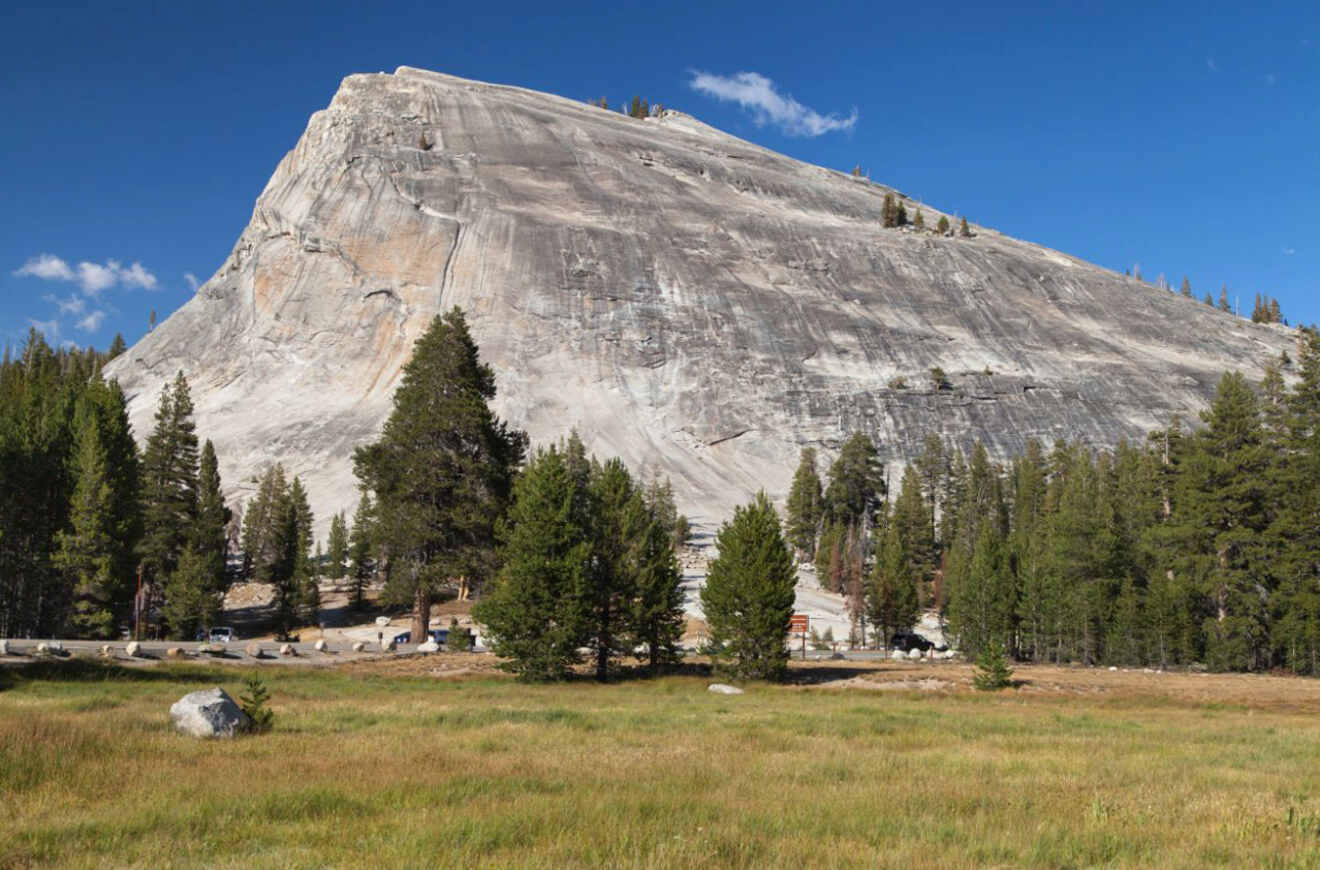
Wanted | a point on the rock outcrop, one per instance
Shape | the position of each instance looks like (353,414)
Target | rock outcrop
(700,306)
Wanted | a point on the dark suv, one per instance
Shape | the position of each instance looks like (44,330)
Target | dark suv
(907,641)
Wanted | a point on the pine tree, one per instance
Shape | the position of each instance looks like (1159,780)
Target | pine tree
(942,225)
(749,593)
(657,612)
(803,512)
(305,588)
(1186,288)
(534,612)
(615,515)
(360,546)
(117,347)
(856,482)
(919,222)
(86,552)
(1208,299)
(891,599)
(191,601)
(169,484)
(1223,299)
(337,548)
(900,214)
(1274,314)
(210,536)
(992,670)
(442,469)
(963,229)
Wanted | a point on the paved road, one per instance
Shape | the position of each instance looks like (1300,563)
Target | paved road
(159,649)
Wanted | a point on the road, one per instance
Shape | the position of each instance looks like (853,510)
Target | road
(158,649)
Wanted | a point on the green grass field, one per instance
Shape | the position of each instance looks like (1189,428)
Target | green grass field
(373,769)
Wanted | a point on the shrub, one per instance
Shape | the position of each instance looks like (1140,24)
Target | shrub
(992,670)
(460,639)
(253,704)
(897,383)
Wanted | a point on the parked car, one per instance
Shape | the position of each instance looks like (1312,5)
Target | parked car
(907,641)
(439,635)
(221,634)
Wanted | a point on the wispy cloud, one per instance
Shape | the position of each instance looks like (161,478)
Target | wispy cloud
(47,267)
(1288,252)
(72,305)
(757,94)
(1211,65)
(48,328)
(92,322)
(192,281)
(1271,79)
(93,278)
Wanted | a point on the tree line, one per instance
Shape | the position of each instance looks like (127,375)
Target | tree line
(1198,546)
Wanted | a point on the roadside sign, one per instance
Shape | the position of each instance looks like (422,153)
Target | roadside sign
(797,623)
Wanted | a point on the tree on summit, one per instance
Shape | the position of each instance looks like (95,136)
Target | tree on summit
(442,470)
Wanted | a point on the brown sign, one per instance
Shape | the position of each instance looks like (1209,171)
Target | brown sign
(797,623)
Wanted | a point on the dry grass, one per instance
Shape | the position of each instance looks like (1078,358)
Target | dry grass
(370,765)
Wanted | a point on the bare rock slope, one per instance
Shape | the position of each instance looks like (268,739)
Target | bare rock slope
(696,304)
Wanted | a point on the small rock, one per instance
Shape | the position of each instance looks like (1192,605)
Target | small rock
(319,646)
(288,650)
(1113,668)
(359,646)
(724,689)
(253,650)
(429,647)
(133,649)
(208,713)
(174,652)
(211,649)
(4,647)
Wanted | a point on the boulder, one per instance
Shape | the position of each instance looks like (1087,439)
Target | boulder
(133,649)
(319,646)
(288,650)
(208,713)
(429,647)
(50,648)
(174,652)
(107,651)
(211,649)
(898,655)
(914,654)
(724,689)
(359,646)
(4,647)
(253,650)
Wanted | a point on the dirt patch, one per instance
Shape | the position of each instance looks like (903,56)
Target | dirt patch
(446,665)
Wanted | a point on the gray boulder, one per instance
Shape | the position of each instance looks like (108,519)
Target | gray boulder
(133,650)
(429,647)
(359,646)
(4,647)
(914,654)
(253,650)
(288,650)
(724,689)
(898,655)
(319,646)
(107,651)
(208,713)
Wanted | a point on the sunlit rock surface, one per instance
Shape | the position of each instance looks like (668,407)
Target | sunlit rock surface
(693,303)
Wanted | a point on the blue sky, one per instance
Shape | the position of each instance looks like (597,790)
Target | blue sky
(1178,136)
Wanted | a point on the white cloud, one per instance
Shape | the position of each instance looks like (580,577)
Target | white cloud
(136,276)
(192,281)
(92,322)
(72,305)
(1211,65)
(48,267)
(757,94)
(1288,252)
(94,277)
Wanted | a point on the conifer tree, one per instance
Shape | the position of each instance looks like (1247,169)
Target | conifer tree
(534,612)
(1209,300)
(891,600)
(1186,288)
(360,546)
(86,552)
(803,512)
(442,469)
(615,515)
(889,212)
(337,547)
(191,599)
(117,347)
(210,535)
(919,222)
(942,225)
(169,483)
(963,229)
(1223,299)
(304,582)
(657,611)
(856,482)
(749,593)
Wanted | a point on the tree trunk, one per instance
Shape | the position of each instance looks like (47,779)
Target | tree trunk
(421,615)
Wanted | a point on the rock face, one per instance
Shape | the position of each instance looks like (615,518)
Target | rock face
(209,713)
(695,304)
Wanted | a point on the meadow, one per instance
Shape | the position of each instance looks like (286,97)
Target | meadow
(389,765)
